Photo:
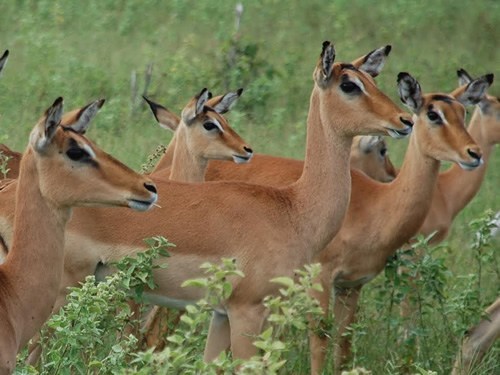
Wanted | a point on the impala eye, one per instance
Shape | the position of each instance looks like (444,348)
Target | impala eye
(434,117)
(383,152)
(77,154)
(349,87)
(209,126)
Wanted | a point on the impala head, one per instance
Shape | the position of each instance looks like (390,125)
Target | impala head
(72,171)
(440,121)
(3,60)
(365,109)
(489,107)
(369,154)
(207,133)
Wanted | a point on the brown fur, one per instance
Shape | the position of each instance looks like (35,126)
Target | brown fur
(246,222)
(364,235)
(47,188)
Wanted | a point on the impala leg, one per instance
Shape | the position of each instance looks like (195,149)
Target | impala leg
(346,302)
(246,323)
(479,340)
(319,333)
(219,336)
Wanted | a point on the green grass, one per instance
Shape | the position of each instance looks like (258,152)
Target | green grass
(84,51)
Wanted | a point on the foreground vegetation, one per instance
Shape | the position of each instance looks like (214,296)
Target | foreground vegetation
(91,50)
(88,335)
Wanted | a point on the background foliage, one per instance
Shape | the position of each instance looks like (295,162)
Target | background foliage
(86,50)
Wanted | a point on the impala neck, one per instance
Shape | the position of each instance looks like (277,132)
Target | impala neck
(167,159)
(461,186)
(35,261)
(322,192)
(408,198)
(186,166)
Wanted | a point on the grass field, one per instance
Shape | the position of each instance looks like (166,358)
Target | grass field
(87,50)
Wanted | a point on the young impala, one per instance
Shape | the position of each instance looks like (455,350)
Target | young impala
(369,155)
(203,139)
(268,231)
(60,169)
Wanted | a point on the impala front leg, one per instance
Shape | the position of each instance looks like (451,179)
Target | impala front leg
(345,304)
(219,336)
(246,323)
(319,335)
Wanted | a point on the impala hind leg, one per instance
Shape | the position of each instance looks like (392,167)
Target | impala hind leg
(246,323)
(346,302)
(219,336)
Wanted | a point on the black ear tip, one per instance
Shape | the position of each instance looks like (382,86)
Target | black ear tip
(388,49)
(239,91)
(490,77)
(402,75)
(326,44)
(58,101)
(202,91)
(5,54)
(101,102)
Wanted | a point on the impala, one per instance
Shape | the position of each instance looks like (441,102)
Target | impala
(268,231)
(369,155)
(455,187)
(60,169)
(364,234)
(479,339)
(204,138)
(439,135)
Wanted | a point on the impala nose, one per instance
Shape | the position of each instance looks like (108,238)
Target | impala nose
(248,149)
(150,187)
(474,154)
(406,121)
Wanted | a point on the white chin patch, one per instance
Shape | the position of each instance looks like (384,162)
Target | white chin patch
(396,134)
(470,166)
(139,205)
(240,160)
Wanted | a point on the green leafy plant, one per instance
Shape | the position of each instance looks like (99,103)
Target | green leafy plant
(89,334)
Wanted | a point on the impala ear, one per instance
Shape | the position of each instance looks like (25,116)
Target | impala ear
(327,60)
(373,62)
(410,91)
(165,118)
(368,142)
(464,78)
(3,60)
(43,133)
(474,91)
(196,106)
(223,103)
(84,116)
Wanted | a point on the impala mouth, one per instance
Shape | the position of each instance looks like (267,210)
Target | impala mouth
(470,166)
(142,205)
(399,133)
(239,159)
